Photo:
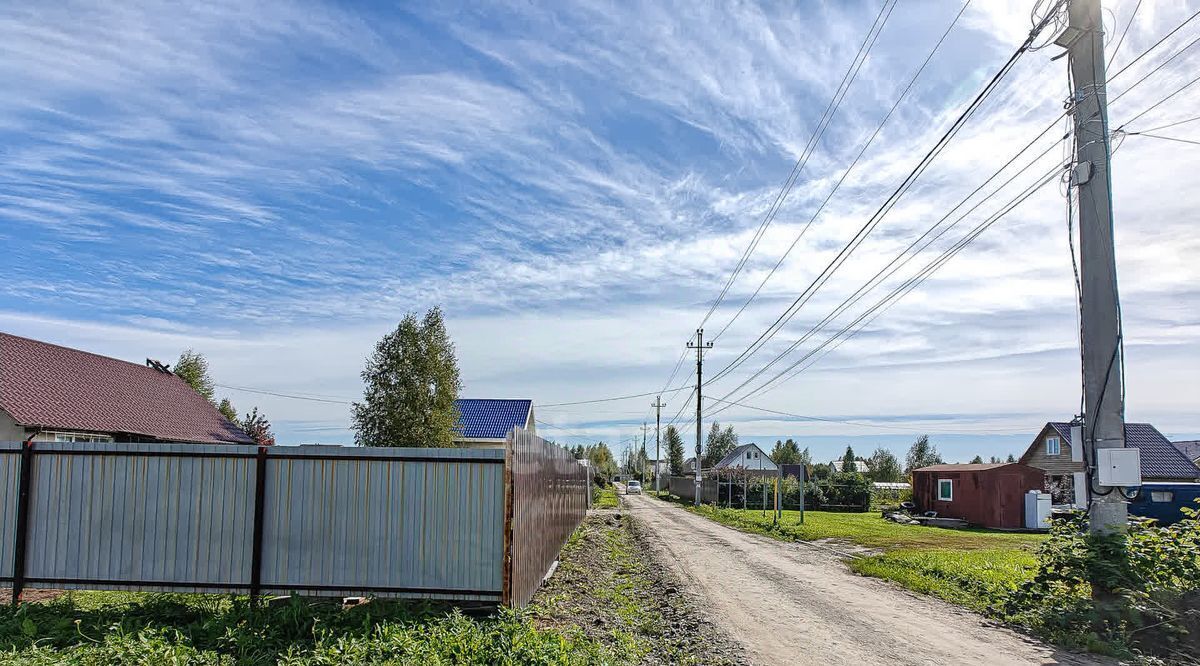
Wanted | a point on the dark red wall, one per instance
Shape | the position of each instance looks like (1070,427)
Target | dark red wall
(985,497)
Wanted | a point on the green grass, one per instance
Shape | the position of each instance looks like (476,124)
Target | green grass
(608,498)
(116,627)
(973,567)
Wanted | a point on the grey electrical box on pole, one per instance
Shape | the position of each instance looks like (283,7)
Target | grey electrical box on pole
(1104,404)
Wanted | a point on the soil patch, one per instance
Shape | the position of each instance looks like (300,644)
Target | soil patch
(610,585)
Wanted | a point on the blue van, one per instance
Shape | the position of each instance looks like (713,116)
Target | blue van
(1163,501)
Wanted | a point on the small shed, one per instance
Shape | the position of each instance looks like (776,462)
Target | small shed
(987,495)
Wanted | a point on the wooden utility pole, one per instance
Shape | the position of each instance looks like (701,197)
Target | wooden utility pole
(1100,309)
(700,347)
(658,405)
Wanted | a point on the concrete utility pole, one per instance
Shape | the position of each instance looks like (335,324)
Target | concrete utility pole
(658,405)
(643,457)
(1104,404)
(700,347)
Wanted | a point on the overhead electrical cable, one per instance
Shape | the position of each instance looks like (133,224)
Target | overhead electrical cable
(899,260)
(826,117)
(903,95)
(888,204)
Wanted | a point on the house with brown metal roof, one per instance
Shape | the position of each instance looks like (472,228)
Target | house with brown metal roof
(54,393)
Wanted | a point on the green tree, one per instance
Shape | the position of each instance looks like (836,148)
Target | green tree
(674,451)
(921,454)
(885,467)
(786,453)
(1011,458)
(411,385)
(228,410)
(719,444)
(995,460)
(603,462)
(977,460)
(805,458)
(848,464)
(192,368)
(258,427)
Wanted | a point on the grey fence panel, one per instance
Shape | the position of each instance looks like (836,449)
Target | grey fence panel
(108,519)
(390,522)
(425,523)
(10,471)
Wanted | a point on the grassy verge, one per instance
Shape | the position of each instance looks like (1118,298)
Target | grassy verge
(973,567)
(607,604)
(610,587)
(608,497)
(127,628)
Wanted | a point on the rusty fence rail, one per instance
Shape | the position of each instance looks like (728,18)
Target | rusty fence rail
(477,525)
(549,494)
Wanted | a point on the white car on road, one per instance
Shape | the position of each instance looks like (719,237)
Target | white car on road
(633,488)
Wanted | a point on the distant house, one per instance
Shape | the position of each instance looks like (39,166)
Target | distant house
(746,458)
(987,495)
(689,465)
(484,423)
(58,394)
(1190,449)
(1053,452)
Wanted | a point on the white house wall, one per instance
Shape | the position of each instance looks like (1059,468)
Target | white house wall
(9,430)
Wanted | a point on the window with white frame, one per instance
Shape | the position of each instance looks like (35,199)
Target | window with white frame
(1053,446)
(80,437)
(945,490)
(1162,496)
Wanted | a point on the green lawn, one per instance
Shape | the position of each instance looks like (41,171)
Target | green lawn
(971,567)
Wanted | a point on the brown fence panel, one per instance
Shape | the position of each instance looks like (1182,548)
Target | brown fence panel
(547,497)
(685,488)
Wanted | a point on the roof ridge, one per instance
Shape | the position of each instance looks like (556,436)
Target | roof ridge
(83,351)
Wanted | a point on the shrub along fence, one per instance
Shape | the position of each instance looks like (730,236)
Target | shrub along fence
(388,522)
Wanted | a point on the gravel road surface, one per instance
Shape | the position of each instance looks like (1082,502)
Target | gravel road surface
(790,603)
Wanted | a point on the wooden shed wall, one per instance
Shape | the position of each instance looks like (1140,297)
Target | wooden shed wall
(986,497)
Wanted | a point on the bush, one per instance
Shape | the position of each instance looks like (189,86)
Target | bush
(1152,573)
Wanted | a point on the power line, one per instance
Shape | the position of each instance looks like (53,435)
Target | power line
(1155,45)
(908,286)
(825,419)
(895,264)
(611,399)
(1165,138)
(1121,41)
(850,168)
(888,204)
(831,108)
(1179,122)
(294,396)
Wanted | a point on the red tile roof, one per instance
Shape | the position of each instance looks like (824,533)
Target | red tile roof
(66,389)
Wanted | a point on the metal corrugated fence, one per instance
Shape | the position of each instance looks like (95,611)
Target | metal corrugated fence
(397,522)
(548,498)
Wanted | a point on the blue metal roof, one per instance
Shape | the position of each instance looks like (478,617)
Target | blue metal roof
(485,418)
(1160,459)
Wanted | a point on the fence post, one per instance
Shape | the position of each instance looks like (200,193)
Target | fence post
(260,491)
(506,566)
(22,536)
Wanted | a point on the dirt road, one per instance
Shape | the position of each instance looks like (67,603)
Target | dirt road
(797,604)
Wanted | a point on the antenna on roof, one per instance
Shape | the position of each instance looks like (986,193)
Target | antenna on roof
(158,365)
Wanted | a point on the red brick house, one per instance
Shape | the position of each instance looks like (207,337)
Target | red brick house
(55,393)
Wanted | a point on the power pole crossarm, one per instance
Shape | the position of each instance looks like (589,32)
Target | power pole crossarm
(1100,310)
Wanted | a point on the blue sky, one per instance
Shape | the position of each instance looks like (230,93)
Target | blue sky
(275,184)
